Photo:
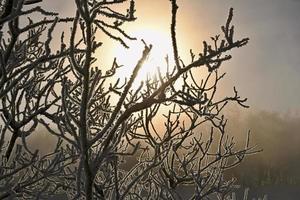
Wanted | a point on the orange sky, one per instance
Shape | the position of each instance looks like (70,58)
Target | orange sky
(266,71)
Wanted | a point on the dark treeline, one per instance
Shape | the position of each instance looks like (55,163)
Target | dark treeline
(279,136)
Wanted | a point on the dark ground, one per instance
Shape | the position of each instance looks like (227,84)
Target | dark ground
(272,192)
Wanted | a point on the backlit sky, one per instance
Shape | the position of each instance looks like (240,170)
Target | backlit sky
(267,70)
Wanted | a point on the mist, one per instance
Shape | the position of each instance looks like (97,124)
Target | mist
(278,135)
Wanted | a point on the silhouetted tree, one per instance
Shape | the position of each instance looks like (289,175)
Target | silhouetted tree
(29,73)
(101,123)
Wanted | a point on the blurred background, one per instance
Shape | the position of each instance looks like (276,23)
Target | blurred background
(266,71)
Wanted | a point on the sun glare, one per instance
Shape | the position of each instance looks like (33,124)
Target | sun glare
(129,57)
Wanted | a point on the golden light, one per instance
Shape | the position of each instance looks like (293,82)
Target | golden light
(129,57)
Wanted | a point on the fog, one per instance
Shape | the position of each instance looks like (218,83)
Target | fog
(278,135)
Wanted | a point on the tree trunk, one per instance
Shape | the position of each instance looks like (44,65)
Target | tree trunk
(11,145)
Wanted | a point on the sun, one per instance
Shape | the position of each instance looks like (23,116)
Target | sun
(161,47)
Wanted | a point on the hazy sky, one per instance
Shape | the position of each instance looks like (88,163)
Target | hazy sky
(267,71)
